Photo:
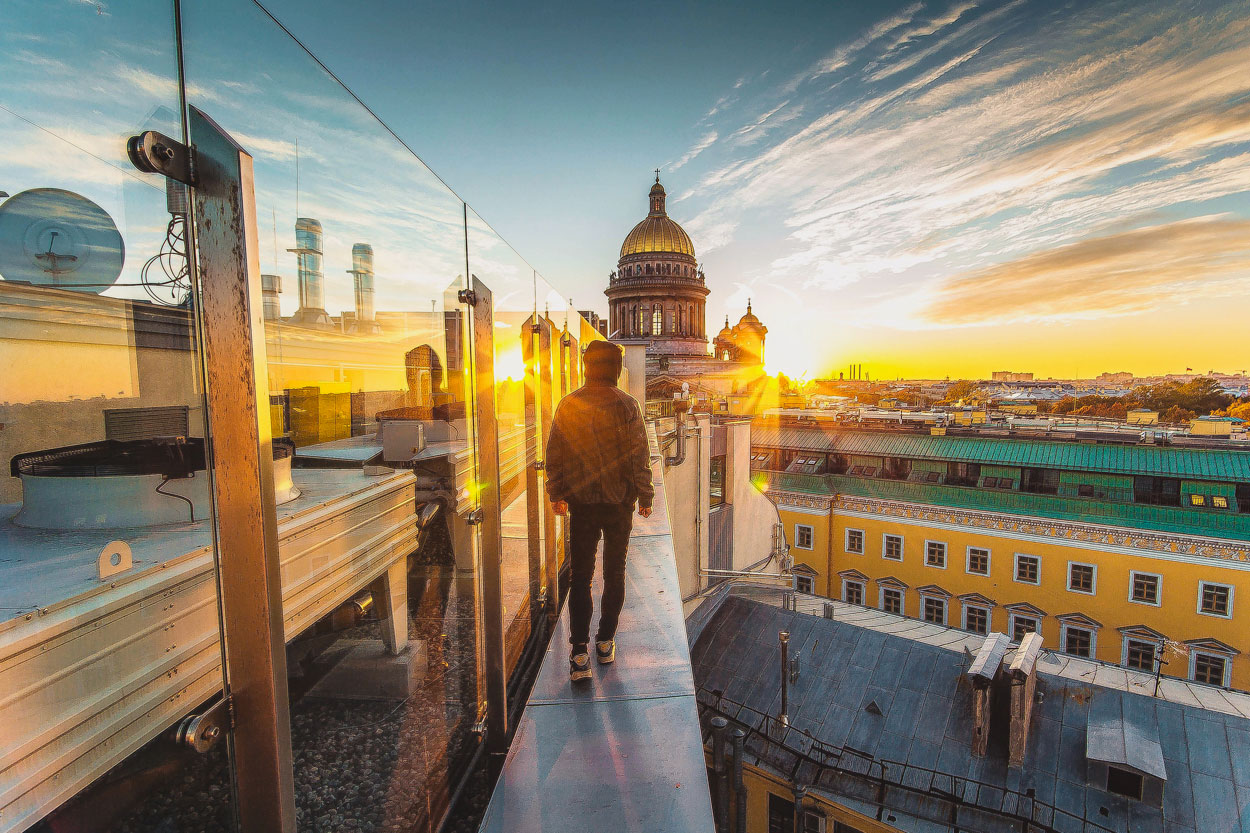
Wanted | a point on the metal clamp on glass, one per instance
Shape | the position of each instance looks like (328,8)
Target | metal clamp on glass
(156,153)
(202,731)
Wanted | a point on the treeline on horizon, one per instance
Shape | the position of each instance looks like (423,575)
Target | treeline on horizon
(1176,402)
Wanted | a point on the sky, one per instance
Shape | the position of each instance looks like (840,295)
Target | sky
(928,189)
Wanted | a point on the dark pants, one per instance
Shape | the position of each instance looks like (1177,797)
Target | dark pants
(587,522)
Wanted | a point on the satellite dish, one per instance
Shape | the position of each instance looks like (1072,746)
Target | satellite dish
(52,237)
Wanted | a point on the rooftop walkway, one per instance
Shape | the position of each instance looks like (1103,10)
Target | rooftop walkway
(624,752)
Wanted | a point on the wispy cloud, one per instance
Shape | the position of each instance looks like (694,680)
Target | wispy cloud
(697,148)
(1118,273)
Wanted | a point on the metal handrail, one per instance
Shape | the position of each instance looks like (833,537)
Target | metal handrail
(942,785)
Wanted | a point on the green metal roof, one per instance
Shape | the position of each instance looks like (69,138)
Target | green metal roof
(1216,524)
(1199,464)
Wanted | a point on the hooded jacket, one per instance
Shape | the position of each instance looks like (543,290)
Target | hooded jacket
(597,451)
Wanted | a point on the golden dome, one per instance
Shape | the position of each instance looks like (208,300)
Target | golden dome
(725,333)
(657,232)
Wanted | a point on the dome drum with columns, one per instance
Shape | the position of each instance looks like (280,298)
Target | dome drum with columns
(657,292)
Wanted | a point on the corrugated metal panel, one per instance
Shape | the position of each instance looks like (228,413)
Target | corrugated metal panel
(1170,462)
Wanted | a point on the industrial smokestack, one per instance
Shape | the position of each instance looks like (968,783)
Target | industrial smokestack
(270,289)
(362,276)
(312,297)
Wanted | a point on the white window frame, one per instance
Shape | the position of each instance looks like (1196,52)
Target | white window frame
(1093,583)
(946,554)
(1158,646)
(811,537)
(1011,623)
(946,609)
(989,561)
(1229,587)
(1015,569)
(989,617)
(885,537)
(1063,639)
(811,580)
(846,541)
(902,599)
(863,591)
(1193,666)
(1158,602)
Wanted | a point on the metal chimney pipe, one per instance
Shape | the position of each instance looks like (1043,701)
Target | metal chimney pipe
(721,796)
(270,289)
(362,277)
(740,788)
(784,637)
(312,295)
(308,257)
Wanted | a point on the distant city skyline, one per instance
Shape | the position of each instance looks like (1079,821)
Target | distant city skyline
(927,183)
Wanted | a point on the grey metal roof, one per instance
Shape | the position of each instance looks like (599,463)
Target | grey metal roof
(1125,739)
(1201,464)
(926,722)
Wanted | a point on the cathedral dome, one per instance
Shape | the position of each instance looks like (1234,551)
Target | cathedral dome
(750,321)
(725,333)
(657,232)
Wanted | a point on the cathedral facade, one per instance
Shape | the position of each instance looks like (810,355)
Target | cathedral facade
(657,295)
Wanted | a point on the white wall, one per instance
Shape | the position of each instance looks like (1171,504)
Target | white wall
(755,516)
(686,488)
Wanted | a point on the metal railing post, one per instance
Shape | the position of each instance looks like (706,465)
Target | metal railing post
(784,638)
(533,461)
(490,527)
(237,396)
(552,545)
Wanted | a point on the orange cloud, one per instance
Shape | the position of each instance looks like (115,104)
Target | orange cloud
(1143,268)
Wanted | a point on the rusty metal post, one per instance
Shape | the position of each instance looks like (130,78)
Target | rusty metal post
(490,518)
(239,434)
(784,637)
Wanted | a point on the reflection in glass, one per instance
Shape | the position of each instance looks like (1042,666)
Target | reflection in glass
(108,607)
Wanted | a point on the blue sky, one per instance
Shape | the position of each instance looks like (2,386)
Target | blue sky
(928,188)
(925,187)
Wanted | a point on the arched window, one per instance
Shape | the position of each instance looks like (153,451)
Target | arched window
(657,320)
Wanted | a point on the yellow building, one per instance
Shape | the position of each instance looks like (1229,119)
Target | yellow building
(1097,564)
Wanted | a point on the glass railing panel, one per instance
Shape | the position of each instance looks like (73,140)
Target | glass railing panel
(109,626)
(514,291)
(362,254)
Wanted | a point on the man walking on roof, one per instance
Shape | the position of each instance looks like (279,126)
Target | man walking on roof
(598,466)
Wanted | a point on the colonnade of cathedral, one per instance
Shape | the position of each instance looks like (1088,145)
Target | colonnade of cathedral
(652,316)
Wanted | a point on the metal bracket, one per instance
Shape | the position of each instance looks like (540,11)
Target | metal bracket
(202,731)
(474,517)
(467,296)
(156,153)
(539,465)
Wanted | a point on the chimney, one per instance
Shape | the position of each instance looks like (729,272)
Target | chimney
(982,673)
(362,277)
(312,298)
(270,289)
(1023,688)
